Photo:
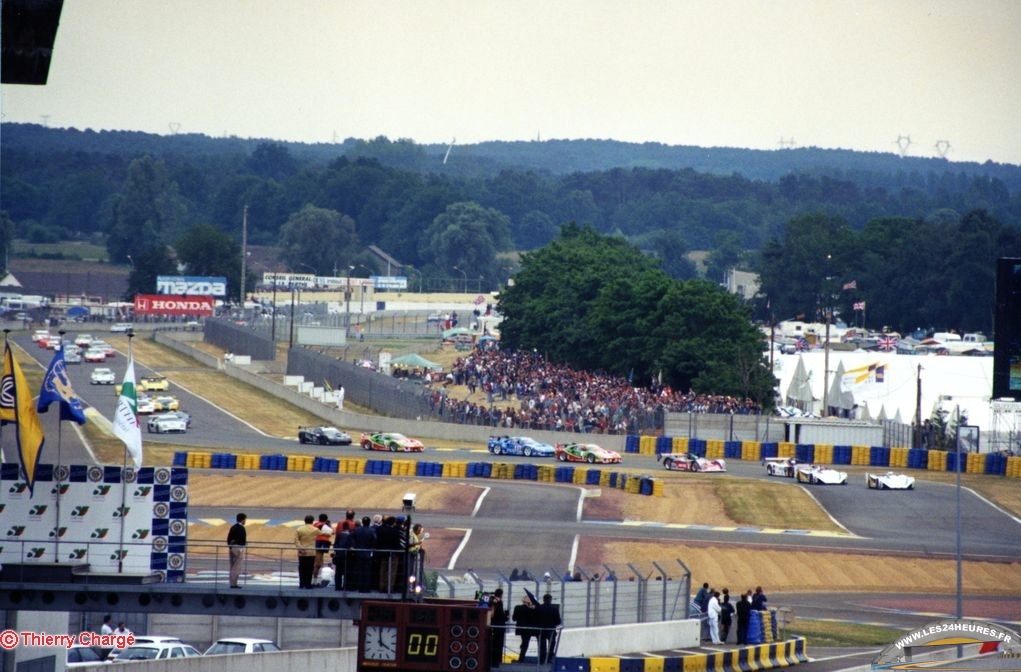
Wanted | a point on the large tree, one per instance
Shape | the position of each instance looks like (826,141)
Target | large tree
(597,302)
(465,238)
(147,212)
(205,250)
(318,240)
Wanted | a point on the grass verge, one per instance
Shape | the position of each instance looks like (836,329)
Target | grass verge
(839,633)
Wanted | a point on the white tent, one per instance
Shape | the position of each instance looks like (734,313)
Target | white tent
(799,390)
(892,381)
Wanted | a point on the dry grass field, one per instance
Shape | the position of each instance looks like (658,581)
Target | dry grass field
(687,500)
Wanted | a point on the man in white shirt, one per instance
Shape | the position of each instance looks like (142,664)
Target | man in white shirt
(713,610)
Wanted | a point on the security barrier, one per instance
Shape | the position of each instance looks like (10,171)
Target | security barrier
(764,656)
(634,484)
(990,464)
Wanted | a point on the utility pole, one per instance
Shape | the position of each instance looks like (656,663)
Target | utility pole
(244,254)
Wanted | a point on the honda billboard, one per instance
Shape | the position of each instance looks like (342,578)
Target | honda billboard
(164,304)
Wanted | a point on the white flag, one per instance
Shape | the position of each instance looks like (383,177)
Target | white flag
(125,419)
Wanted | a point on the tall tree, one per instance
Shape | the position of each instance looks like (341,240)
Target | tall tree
(803,273)
(317,239)
(148,211)
(6,238)
(468,236)
(146,265)
(205,250)
(596,302)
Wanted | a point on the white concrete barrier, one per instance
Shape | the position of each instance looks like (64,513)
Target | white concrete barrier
(612,640)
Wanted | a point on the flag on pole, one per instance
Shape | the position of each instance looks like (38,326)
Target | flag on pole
(57,388)
(851,285)
(16,409)
(859,305)
(125,418)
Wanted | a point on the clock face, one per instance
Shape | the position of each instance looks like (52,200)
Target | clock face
(380,642)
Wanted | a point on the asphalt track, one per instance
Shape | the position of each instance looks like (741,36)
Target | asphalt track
(522,524)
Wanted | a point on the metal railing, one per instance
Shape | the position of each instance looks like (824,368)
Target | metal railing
(591,596)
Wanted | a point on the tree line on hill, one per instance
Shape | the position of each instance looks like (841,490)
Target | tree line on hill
(917,237)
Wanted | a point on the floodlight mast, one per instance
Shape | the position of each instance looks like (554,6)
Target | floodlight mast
(903,142)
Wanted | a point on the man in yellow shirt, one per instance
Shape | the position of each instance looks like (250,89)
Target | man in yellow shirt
(305,542)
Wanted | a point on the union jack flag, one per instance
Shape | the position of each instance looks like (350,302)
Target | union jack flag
(801,344)
(859,305)
(887,343)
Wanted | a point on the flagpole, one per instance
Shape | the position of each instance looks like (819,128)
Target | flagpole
(60,427)
(124,471)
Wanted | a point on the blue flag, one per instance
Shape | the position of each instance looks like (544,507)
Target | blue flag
(57,387)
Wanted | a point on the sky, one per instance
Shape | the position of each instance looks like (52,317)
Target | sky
(920,76)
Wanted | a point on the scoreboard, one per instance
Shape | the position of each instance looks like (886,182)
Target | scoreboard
(444,635)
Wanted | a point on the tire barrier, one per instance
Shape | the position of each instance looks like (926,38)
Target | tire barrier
(990,464)
(540,473)
(745,659)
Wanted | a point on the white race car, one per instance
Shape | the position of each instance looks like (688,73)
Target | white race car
(166,422)
(690,462)
(890,481)
(780,466)
(814,473)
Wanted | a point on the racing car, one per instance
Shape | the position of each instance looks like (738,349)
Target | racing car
(690,462)
(780,466)
(323,435)
(519,445)
(817,474)
(166,422)
(890,481)
(586,452)
(392,441)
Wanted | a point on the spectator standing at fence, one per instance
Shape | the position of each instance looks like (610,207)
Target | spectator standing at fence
(548,618)
(237,541)
(701,601)
(305,543)
(323,541)
(714,611)
(726,618)
(759,599)
(744,615)
(498,623)
(361,545)
(525,622)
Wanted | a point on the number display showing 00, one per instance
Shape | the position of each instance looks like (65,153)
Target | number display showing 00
(422,645)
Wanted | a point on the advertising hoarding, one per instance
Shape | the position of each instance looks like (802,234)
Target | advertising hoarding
(187,285)
(159,304)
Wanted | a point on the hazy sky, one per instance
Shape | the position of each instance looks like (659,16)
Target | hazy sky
(858,74)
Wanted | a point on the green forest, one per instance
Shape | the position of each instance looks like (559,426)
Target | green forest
(916,237)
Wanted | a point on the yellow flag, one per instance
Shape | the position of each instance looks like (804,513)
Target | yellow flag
(17,408)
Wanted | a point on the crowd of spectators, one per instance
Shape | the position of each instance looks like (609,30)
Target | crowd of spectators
(556,397)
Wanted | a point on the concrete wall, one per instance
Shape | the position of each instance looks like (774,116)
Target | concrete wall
(621,639)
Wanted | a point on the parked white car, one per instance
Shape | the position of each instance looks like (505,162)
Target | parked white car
(241,645)
(102,376)
(158,641)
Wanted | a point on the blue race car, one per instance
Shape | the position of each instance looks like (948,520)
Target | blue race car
(519,445)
